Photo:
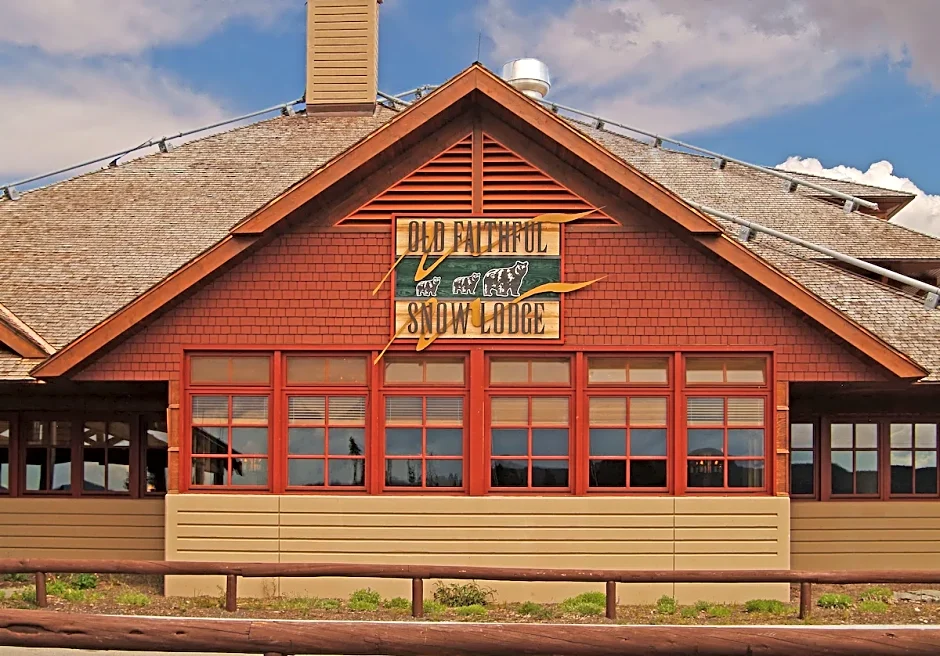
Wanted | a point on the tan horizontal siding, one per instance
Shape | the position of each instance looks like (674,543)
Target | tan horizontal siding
(865,535)
(86,528)
(567,532)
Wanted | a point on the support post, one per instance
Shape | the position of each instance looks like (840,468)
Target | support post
(806,600)
(231,592)
(41,600)
(611,600)
(417,597)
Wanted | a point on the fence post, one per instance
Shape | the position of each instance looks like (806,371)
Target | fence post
(806,599)
(611,600)
(41,600)
(231,592)
(417,597)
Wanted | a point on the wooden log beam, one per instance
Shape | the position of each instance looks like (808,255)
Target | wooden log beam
(43,629)
(313,570)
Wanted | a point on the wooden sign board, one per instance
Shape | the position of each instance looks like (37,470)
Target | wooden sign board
(481,278)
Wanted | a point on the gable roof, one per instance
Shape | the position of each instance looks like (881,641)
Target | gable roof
(177,209)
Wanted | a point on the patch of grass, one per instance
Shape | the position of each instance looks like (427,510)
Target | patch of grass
(398,603)
(834,600)
(83,581)
(457,595)
(362,605)
(473,610)
(535,610)
(876,593)
(433,607)
(688,612)
(873,606)
(366,596)
(578,607)
(719,611)
(769,606)
(701,606)
(666,605)
(206,602)
(301,604)
(74,596)
(56,587)
(327,604)
(138,599)
(27,596)
(17,578)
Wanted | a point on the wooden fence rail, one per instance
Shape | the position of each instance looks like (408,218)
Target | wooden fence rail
(43,629)
(420,573)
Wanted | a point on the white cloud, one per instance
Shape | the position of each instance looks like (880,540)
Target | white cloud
(683,65)
(76,82)
(123,27)
(55,116)
(922,214)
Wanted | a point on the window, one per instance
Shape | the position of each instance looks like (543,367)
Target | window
(529,442)
(155,456)
(106,456)
(514,371)
(627,442)
(853,459)
(913,459)
(5,445)
(725,442)
(725,371)
(326,441)
(229,370)
(326,370)
(802,459)
(230,440)
(412,371)
(48,456)
(424,441)
(632,370)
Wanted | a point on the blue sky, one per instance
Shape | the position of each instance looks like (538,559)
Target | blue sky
(848,83)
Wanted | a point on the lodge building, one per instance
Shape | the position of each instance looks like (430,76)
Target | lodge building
(469,330)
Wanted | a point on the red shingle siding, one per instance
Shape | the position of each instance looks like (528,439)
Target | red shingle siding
(660,291)
(315,288)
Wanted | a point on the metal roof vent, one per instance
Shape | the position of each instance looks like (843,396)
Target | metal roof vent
(530,76)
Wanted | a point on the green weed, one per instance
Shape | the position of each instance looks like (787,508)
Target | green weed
(457,595)
(666,605)
(834,600)
(873,606)
(876,593)
(398,603)
(770,606)
(473,610)
(129,598)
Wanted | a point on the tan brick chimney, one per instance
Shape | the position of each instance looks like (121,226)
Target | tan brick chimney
(342,55)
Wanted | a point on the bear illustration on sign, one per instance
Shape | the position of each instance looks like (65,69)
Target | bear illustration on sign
(466,284)
(506,281)
(428,287)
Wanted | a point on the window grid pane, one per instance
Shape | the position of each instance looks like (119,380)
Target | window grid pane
(326,447)
(725,441)
(913,459)
(627,452)
(424,442)
(802,459)
(853,456)
(230,440)
(530,440)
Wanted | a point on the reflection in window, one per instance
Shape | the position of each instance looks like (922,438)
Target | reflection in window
(516,371)
(155,456)
(724,371)
(4,457)
(49,456)
(802,470)
(230,370)
(322,370)
(106,455)
(230,440)
(628,370)
(424,441)
(529,441)
(854,458)
(326,441)
(627,439)
(725,439)
(913,459)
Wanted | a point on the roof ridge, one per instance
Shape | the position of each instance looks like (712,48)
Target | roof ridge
(854,182)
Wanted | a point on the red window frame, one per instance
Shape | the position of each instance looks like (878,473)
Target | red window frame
(914,449)
(327,424)
(529,426)
(725,459)
(877,450)
(627,395)
(229,457)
